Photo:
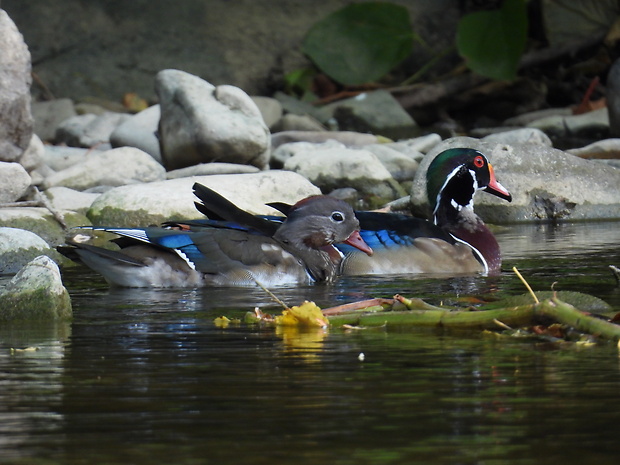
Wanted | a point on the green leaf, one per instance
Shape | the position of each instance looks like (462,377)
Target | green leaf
(361,42)
(492,41)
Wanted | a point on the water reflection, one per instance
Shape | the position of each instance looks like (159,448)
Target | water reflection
(143,376)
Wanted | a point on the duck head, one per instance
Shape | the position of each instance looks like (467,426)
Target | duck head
(456,174)
(318,222)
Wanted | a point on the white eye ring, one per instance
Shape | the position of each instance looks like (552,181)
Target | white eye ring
(337,217)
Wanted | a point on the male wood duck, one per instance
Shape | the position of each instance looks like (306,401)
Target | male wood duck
(456,241)
(239,251)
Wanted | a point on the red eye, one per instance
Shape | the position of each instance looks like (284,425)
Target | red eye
(478,162)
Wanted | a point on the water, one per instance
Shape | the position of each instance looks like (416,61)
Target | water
(144,376)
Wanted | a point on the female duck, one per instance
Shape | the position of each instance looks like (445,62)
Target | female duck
(298,250)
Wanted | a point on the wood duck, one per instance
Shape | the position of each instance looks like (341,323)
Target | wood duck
(456,241)
(238,251)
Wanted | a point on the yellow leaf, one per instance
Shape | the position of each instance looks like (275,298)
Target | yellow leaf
(221,322)
(307,314)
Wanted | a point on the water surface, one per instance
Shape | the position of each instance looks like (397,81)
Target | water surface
(144,376)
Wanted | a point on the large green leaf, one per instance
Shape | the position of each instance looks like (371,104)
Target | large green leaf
(361,42)
(492,41)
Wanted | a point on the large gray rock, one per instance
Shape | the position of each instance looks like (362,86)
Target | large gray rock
(154,203)
(116,167)
(202,123)
(18,247)
(16,122)
(36,293)
(546,183)
(14,182)
(376,112)
(139,131)
(332,165)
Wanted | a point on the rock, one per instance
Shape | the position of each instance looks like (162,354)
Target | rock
(613,98)
(36,293)
(49,115)
(292,105)
(40,221)
(607,148)
(63,198)
(116,167)
(154,203)
(293,122)
(204,169)
(520,136)
(61,157)
(33,156)
(18,247)
(89,130)
(15,78)
(546,184)
(348,138)
(525,119)
(139,131)
(203,123)
(401,167)
(376,112)
(416,145)
(331,166)
(14,182)
(585,127)
(270,109)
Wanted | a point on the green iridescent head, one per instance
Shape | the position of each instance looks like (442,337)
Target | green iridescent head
(467,164)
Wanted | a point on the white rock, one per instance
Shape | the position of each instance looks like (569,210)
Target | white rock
(33,156)
(63,198)
(203,123)
(16,122)
(330,166)
(139,131)
(116,167)
(520,136)
(89,130)
(14,182)
(18,247)
(153,203)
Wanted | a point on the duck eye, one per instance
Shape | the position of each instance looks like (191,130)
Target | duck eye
(478,162)
(337,217)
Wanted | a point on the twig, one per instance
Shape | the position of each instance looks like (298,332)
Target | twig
(271,294)
(42,198)
(25,203)
(514,268)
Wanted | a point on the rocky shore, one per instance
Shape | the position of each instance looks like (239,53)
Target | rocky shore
(64,164)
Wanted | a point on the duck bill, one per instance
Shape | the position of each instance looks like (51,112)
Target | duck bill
(496,188)
(355,240)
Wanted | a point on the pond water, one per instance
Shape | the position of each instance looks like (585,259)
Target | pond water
(144,376)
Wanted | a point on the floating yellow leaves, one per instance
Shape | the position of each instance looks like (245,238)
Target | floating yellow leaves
(307,314)
(222,322)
